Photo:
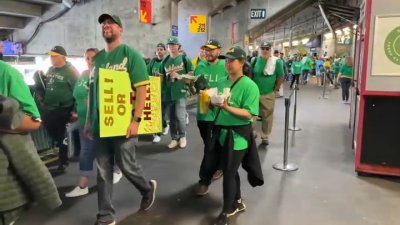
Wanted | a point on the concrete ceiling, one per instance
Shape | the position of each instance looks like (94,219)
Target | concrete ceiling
(14,14)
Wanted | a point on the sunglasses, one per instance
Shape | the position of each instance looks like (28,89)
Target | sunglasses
(265,48)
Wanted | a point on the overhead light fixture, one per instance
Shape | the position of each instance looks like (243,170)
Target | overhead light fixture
(251,48)
(286,44)
(305,40)
(295,43)
(355,26)
(256,46)
(346,29)
(338,32)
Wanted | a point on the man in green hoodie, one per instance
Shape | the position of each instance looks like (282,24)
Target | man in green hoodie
(58,100)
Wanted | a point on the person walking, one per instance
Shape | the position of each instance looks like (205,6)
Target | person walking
(345,78)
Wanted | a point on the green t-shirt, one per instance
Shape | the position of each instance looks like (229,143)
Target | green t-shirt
(244,95)
(153,68)
(81,92)
(60,83)
(306,62)
(346,71)
(266,83)
(122,58)
(212,73)
(175,89)
(12,85)
(296,67)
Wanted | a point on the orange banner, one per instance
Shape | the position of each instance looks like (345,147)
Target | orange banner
(146,9)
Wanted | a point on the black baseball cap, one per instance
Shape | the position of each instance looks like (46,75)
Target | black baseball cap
(276,52)
(114,18)
(212,44)
(161,45)
(234,53)
(57,50)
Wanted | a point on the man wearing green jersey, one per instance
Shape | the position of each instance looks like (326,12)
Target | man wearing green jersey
(58,101)
(307,63)
(268,75)
(153,69)
(213,71)
(117,56)
(176,90)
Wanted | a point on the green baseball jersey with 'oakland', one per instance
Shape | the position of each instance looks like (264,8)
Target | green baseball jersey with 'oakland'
(122,58)
(175,89)
(212,73)
(244,95)
(60,83)
(12,85)
(154,67)
(81,92)
(266,83)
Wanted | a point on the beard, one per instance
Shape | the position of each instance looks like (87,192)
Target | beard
(211,58)
(110,39)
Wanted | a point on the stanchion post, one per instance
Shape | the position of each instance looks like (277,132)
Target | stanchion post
(294,128)
(285,166)
(324,91)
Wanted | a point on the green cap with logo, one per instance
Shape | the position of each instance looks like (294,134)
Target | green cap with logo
(57,50)
(212,44)
(234,53)
(114,18)
(173,41)
(266,44)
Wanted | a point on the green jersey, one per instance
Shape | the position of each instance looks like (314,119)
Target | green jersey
(244,95)
(60,83)
(153,68)
(266,83)
(296,67)
(81,91)
(346,71)
(212,73)
(122,58)
(175,89)
(12,85)
(306,62)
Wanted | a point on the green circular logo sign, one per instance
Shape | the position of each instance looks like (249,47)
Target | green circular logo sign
(392,46)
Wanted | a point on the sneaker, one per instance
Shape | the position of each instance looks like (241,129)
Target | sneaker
(156,139)
(217,175)
(347,102)
(201,190)
(222,219)
(173,144)
(182,142)
(148,201)
(117,177)
(77,191)
(187,119)
(105,223)
(166,130)
(62,167)
(239,206)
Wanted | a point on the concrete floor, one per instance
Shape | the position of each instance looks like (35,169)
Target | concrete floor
(325,190)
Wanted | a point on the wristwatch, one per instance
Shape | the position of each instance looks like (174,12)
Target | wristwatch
(137,119)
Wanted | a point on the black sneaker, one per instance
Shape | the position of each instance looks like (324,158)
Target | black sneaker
(201,189)
(265,142)
(105,223)
(222,219)
(239,206)
(148,201)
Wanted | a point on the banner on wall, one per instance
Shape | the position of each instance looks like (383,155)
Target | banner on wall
(198,24)
(386,48)
(116,100)
(145,12)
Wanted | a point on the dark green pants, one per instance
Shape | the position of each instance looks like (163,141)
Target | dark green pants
(9,217)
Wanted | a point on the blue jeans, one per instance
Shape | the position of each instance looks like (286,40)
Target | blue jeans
(86,155)
(177,116)
(305,74)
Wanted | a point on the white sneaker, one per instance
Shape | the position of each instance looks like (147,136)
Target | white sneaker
(78,191)
(187,119)
(156,139)
(117,177)
(173,144)
(182,142)
(166,130)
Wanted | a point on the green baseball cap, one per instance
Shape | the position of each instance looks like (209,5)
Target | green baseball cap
(114,18)
(173,40)
(234,53)
(212,44)
(266,44)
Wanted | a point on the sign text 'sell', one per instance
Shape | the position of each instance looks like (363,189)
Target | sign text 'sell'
(258,13)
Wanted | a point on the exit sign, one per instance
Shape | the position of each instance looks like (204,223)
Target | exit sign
(258,13)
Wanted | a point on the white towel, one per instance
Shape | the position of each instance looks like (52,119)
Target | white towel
(269,68)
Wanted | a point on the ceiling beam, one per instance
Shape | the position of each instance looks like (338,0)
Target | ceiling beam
(23,9)
(48,2)
(10,22)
